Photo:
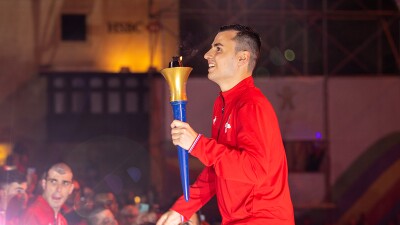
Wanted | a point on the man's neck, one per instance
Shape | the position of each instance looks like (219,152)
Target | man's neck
(229,86)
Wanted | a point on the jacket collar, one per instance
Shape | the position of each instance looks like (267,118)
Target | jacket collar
(45,206)
(238,89)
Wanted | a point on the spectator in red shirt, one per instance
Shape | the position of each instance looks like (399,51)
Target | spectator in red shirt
(57,186)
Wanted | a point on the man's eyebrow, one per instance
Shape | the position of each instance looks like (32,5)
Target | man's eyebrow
(57,179)
(217,45)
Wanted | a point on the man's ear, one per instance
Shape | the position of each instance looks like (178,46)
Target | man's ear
(43,183)
(244,57)
(71,188)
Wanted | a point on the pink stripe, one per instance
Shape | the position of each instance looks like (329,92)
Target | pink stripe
(194,143)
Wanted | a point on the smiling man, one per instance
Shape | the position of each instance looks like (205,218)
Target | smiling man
(245,158)
(57,186)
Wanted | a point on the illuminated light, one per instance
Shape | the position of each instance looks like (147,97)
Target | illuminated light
(137,199)
(318,135)
(5,150)
(289,55)
(132,52)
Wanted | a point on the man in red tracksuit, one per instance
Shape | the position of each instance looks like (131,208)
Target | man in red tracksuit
(57,186)
(245,159)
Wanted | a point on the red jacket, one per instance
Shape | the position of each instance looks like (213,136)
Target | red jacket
(40,213)
(245,162)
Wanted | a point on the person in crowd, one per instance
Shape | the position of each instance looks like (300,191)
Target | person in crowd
(32,180)
(129,215)
(203,220)
(246,166)
(102,216)
(87,200)
(57,185)
(73,207)
(107,201)
(13,199)
(18,159)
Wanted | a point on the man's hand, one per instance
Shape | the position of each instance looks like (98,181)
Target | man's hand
(170,218)
(182,134)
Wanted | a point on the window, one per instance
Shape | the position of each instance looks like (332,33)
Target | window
(73,27)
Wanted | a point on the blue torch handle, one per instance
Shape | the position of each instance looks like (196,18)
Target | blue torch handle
(179,110)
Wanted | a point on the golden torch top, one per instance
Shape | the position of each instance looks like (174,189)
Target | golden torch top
(177,76)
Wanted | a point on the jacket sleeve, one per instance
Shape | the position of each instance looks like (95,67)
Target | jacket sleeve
(202,190)
(256,131)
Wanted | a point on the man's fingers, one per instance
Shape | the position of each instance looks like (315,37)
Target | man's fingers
(169,218)
(177,123)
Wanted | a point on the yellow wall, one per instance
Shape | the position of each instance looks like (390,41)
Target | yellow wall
(105,50)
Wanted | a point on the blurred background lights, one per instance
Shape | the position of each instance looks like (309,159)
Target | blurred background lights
(318,135)
(137,199)
(135,173)
(276,57)
(5,150)
(289,55)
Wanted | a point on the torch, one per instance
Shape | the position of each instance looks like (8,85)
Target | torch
(176,76)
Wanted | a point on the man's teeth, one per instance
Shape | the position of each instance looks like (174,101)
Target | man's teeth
(211,65)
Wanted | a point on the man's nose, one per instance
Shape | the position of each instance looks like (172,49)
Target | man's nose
(59,187)
(207,55)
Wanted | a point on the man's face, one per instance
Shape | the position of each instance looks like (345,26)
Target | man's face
(222,59)
(56,188)
(16,189)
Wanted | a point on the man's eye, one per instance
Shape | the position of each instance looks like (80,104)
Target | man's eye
(218,49)
(67,183)
(53,181)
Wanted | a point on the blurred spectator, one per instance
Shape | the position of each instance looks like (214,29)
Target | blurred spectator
(127,198)
(73,205)
(129,215)
(102,216)
(203,220)
(13,197)
(196,219)
(87,200)
(57,186)
(107,201)
(146,215)
(11,162)
(32,179)
(18,159)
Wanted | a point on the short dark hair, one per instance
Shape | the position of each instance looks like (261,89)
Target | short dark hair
(247,39)
(61,168)
(11,176)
